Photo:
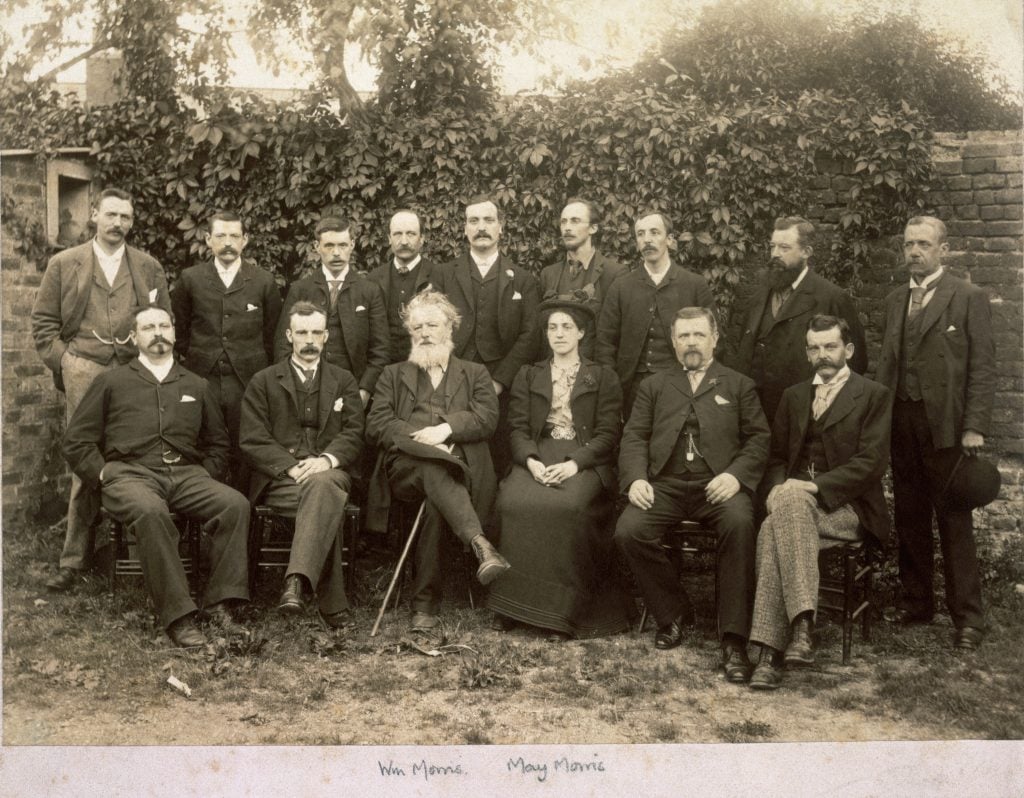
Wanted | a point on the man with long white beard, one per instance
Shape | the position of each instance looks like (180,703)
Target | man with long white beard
(431,418)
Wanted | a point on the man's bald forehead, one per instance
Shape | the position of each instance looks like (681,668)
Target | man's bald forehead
(403,220)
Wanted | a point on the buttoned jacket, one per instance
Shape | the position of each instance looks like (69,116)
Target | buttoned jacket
(237,321)
(596,406)
(855,435)
(271,432)
(734,435)
(955,360)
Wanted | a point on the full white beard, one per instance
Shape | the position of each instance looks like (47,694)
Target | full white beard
(428,356)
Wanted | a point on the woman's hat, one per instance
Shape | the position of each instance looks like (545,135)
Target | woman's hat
(569,301)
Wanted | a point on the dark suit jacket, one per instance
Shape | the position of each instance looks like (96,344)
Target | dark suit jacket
(363,317)
(270,430)
(518,298)
(210,319)
(734,434)
(471,410)
(602,272)
(125,413)
(596,404)
(855,435)
(64,294)
(622,326)
(424,279)
(956,360)
(783,359)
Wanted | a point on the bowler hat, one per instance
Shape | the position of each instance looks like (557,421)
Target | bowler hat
(972,482)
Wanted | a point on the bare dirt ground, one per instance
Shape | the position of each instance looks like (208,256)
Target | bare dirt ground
(91,669)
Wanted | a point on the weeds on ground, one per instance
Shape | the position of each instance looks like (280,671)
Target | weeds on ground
(747,731)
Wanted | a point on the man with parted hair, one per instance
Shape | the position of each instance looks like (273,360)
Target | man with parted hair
(771,343)
(302,433)
(432,417)
(407,274)
(149,434)
(357,319)
(585,273)
(80,324)
(830,449)
(225,315)
(938,358)
(694,448)
(634,333)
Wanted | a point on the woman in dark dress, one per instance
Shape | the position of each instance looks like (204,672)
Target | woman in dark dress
(556,505)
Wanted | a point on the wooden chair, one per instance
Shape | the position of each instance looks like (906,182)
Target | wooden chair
(847,593)
(687,539)
(270,541)
(124,563)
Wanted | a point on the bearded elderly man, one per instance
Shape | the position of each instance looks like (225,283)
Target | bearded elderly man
(694,448)
(830,447)
(432,417)
(151,436)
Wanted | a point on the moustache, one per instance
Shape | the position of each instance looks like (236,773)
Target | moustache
(159,340)
(229,251)
(481,235)
(309,349)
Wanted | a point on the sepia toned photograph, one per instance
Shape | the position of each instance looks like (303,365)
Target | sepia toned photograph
(434,397)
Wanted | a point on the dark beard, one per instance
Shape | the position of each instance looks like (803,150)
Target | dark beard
(780,279)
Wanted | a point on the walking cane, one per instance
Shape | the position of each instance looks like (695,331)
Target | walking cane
(398,569)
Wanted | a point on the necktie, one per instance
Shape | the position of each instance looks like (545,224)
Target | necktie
(403,270)
(917,295)
(334,286)
(820,405)
(779,297)
(575,267)
(308,375)
(695,376)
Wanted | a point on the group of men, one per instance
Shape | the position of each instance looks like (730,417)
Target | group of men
(272,397)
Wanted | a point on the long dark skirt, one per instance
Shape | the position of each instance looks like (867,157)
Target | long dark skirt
(559,543)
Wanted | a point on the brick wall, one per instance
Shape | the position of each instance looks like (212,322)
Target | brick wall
(35,482)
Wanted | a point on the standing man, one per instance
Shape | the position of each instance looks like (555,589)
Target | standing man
(81,324)
(584,269)
(938,357)
(357,319)
(694,448)
(150,434)
(225,313)
(302,433)
(403,278)
(431,418)
(497,302)
(771,344)
(634,331)
(830,449)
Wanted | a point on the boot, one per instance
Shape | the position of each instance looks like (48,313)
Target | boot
(800,650)
(492,564)
(768,673)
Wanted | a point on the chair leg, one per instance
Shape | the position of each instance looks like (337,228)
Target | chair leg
(849,564)
(643,619)
(194,530)
(865,621)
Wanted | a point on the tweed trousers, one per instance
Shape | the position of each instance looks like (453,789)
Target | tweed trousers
(795,530)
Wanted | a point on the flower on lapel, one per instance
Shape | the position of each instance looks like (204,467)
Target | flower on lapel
(713,382)
(338,404)
(511,274)
(152,294)
(516,296)
(589,380)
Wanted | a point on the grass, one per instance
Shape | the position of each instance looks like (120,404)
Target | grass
(90,667)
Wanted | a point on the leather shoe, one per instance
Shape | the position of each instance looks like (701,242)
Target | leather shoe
(967,638)
(63,581)
(736,663)
(492,564)
(337,620)
(768,673)
(800,650)
(558,637)
(906,617)
(292,601)
(221,615)
(424,622)
(670,635)
(502,623)
(184,633)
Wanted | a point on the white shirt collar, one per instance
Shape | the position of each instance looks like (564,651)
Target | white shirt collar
(161,370)
(928,281)
(837,380)
(300,367)
(329,277)
(108,263)
(485,264)
(227,273)
(410,265)
(799,278)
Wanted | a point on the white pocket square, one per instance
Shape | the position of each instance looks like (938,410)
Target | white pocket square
(250,307)
(152,294)
(186,398)
(360,307)
(338,404)
(516,295)
(951,328)
(721,400)
(510,273)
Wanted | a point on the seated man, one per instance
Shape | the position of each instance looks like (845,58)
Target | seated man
(432,417)
(151,435)
(830,448)
(302,433)
(694,448)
